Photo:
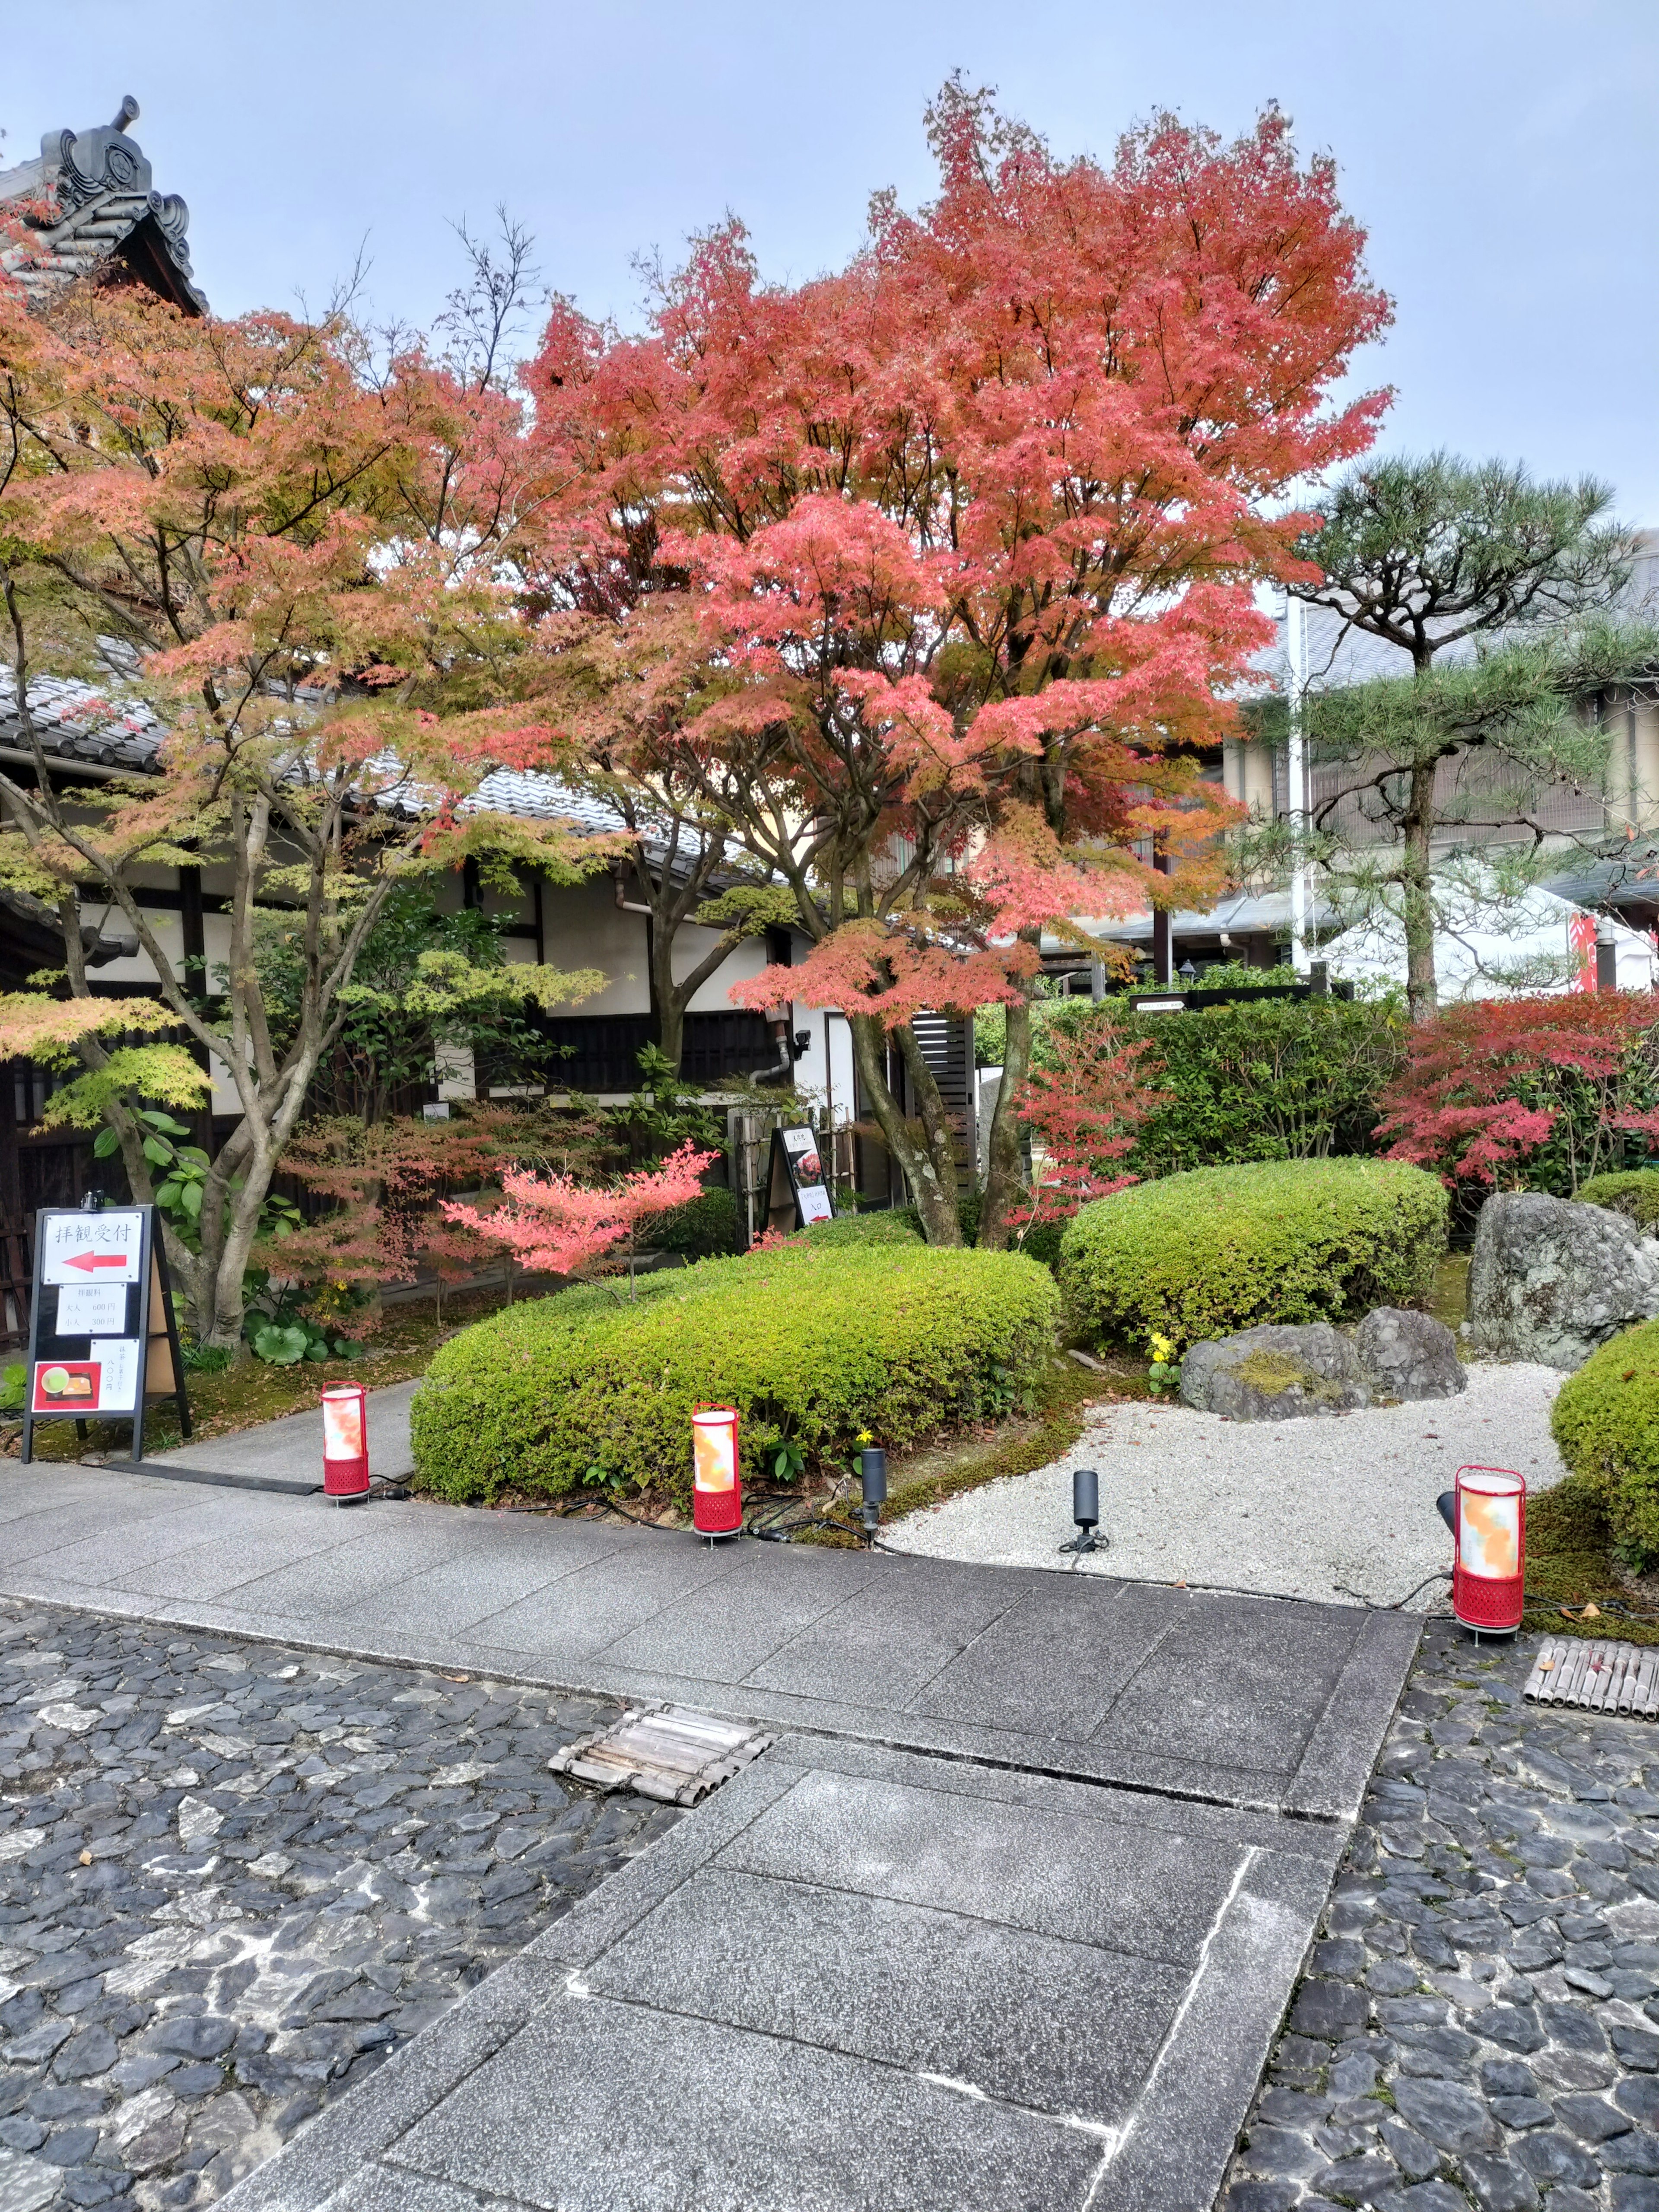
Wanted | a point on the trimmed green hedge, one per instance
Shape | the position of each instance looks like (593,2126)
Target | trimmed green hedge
(1635,1193)
(1203,1254)
(1261,1079)
(816,1346)
(1606,1423)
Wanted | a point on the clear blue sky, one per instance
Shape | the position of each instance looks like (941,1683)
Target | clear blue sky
(1499,152)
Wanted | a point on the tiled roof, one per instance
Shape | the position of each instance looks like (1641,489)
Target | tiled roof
(75,721)
(86,203)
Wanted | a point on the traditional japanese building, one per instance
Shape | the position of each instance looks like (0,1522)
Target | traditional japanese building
(86,208)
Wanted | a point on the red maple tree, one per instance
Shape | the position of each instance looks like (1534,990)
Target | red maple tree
(1489,1084)
(968,531)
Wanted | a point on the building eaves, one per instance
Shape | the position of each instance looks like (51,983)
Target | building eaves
(84,205)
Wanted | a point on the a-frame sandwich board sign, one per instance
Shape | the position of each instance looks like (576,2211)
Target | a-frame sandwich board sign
(796,1193)
(103,1337)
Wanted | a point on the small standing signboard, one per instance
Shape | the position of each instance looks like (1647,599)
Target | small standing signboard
(103,1340)
(797,1193)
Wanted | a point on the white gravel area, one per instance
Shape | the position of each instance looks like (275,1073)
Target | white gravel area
(1334,1507)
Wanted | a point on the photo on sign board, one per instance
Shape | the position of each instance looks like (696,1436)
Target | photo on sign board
(66,1386)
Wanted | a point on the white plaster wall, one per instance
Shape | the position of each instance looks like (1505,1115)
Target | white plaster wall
(746,959)
(585,928)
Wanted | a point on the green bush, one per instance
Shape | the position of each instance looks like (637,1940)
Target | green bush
(1262,1080)
(812,1347)
(859,1230)
(1636,1192)
(1203,1254)
(1606,1423)
(701,1227)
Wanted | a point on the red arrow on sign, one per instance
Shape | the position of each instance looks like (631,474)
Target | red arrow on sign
(86,1262)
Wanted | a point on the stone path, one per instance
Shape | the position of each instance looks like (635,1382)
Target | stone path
(233,1878)
(1481,2022)
(1010,1915)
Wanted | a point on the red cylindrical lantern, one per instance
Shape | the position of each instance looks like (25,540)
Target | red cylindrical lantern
(345,1442)
(1489,1568)
(716,1494)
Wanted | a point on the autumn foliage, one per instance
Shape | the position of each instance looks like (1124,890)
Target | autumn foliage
(557,1225)
(1491,1085)
(1084,1104)
(956,548)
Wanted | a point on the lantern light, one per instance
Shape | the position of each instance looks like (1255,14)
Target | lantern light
(1085,1511)
(345,1442)
(1487,1514)
(716,1494)
(873,1472)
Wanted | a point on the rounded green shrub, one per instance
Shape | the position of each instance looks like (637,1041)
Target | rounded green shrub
(1606,1423)
(1636,1192)
(861,1229)
(811,1347)
(1219,1249)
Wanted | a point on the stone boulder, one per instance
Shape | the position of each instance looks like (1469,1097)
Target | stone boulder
(1552,1280)
(1408,1355)
(1274,1374)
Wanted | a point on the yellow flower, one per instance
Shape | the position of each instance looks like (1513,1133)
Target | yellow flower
(1163,1349)
(866,1436)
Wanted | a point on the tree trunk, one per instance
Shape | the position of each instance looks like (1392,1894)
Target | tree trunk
(1417,897)
(935,1196)
(668,1001)
(1004,1181)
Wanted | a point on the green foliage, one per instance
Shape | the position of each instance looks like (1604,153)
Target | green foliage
(1636,1192)
(858,1231)
(663,1114)
(424,981)
(704,1228)
(281,1332)
(1606,1423)
(1268,1079)
(163,1071)
(13,1387)
(1239,975)
(813,1347)
(1206,1253)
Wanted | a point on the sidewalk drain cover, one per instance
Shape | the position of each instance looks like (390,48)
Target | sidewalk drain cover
(1606,1678)
(662,1751)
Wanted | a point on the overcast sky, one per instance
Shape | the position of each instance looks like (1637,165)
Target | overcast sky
(1499,152)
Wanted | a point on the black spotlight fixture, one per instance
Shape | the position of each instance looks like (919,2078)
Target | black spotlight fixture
(873,1472)
(1085,1511)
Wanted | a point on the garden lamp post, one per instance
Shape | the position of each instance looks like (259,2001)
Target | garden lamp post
(873,1473)
(1487,1514)
(345,1442)
(716,1494)
(1085,1510)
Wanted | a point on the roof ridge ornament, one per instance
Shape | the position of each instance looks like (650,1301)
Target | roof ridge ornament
(90,163)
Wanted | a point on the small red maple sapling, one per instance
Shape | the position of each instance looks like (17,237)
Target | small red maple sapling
(553,1224)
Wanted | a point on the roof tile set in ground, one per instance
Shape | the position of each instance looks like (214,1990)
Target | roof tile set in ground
(1009,1914)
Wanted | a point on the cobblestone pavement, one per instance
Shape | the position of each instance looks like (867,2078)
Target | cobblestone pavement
(233,1878)
(1480,2020)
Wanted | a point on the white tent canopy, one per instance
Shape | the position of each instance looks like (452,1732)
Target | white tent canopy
(1490,947)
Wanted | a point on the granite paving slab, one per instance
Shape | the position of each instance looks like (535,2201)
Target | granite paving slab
(891,1981)
(1248,1701)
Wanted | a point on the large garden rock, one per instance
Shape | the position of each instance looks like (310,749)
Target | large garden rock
(1408,1355)
(1551,1280)
(1274,1374)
